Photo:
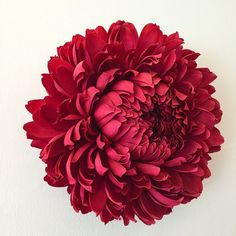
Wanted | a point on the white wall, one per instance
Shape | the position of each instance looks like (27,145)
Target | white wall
(30,31)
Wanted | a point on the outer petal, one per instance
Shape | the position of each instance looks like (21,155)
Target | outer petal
(151,34)
(124,33)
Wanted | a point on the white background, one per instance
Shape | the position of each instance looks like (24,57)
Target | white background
(30,31)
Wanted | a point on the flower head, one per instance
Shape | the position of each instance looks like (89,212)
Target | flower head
(128,122)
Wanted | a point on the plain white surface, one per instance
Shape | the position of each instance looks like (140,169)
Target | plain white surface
(30,31)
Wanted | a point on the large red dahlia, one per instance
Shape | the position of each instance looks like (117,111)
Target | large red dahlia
(128,122)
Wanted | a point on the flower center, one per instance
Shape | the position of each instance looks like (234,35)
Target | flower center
(164,125)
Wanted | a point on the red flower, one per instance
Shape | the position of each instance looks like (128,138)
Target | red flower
(128,122)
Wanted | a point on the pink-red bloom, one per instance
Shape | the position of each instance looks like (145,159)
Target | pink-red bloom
(128,122)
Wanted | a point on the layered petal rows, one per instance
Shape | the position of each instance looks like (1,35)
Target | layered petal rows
(128,123)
